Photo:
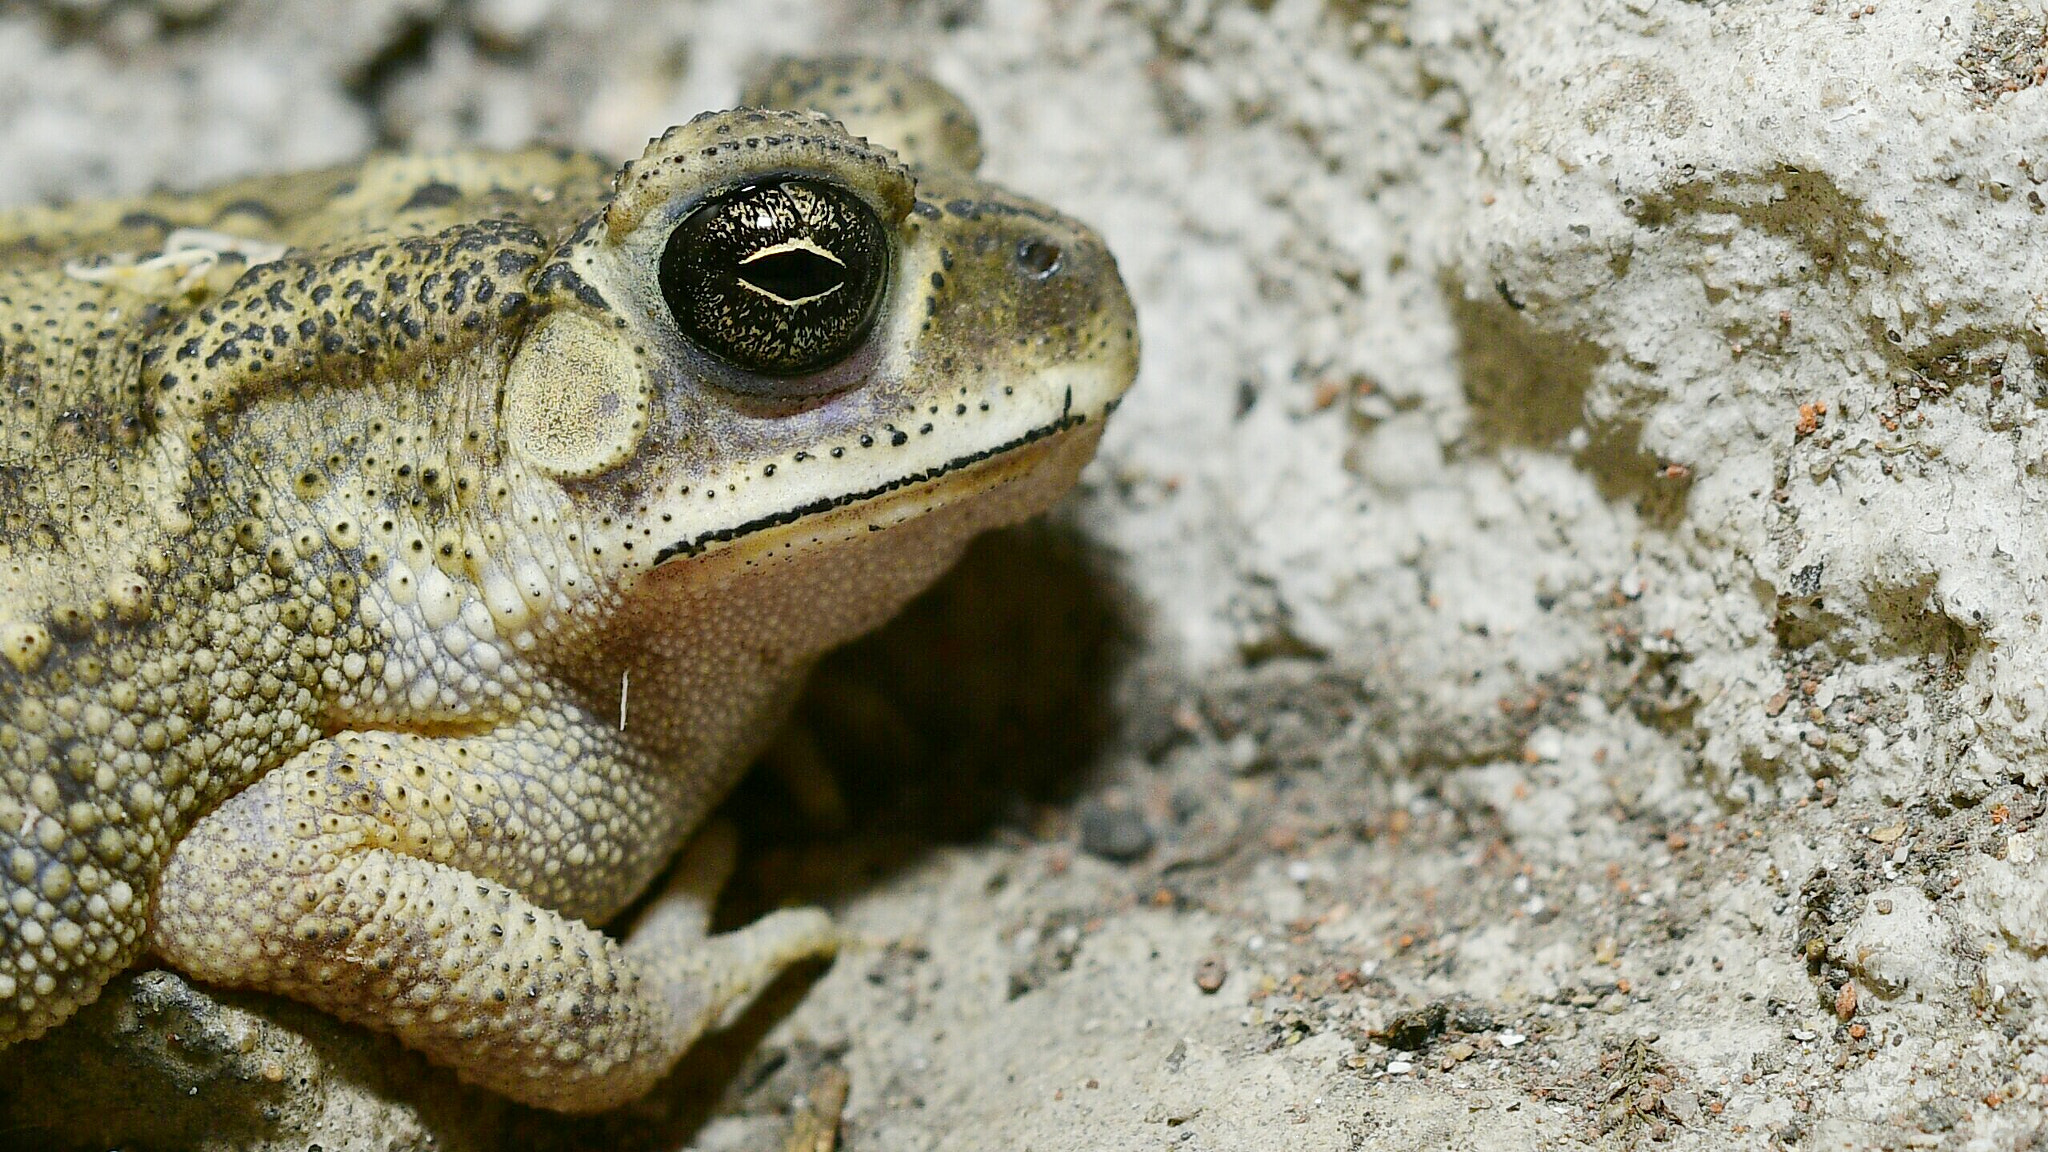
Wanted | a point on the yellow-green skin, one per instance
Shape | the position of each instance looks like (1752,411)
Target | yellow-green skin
(387,588)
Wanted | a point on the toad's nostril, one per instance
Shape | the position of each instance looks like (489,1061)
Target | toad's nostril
(1038,258)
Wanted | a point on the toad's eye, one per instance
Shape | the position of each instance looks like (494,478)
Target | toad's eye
(781,277)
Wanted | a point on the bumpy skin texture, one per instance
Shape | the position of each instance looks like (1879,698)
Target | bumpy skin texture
(387,588)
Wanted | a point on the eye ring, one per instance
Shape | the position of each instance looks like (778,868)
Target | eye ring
(783,276)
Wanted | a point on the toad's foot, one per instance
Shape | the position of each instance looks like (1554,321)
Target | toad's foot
(366,877)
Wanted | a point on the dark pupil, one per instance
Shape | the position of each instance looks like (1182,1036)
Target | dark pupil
(782,277)
(793,276)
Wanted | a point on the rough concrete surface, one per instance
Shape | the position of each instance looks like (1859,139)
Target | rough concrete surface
(1550,655)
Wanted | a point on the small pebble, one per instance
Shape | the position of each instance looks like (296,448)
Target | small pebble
(1114,831)
(1243,754)
(1210,973)
(1683,1106)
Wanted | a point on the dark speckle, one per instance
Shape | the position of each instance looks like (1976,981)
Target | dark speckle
(252,208)
(146,220)
(437,194)
(561,277)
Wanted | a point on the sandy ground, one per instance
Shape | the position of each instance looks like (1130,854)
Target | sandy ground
(1549,655)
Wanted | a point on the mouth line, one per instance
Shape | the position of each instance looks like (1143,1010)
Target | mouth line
(696,546)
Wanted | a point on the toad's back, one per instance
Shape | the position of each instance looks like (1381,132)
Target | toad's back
(162,648)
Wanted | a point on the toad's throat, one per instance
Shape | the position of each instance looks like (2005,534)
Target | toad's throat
(699,544)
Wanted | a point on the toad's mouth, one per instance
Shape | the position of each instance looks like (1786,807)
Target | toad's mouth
(985,468)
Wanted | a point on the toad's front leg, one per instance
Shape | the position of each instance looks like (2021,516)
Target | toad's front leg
(429,887)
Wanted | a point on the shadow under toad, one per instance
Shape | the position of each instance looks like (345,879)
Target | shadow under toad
(985,704)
